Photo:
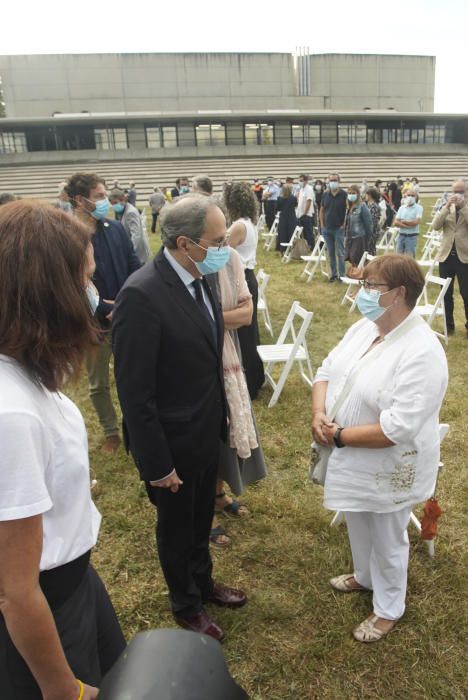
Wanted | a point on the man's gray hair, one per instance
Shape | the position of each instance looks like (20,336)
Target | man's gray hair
(184,216)
(203,184)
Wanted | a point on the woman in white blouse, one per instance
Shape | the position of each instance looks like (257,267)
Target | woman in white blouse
(58,630)
(385,381)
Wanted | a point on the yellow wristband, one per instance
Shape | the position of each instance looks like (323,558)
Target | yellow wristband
(81,693)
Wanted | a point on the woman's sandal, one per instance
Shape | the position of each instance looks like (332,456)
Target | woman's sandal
(218,537)
(368,632)
(340,583)
(233,509)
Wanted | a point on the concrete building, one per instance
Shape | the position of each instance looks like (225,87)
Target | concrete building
(127,106)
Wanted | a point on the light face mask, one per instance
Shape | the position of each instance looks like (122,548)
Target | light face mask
(318,188)
(334,185)
(410,201)
(352,197)
(216,259)
(367,302)
(118,208)
(101,209)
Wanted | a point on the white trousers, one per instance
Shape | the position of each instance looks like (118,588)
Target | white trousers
(380,549)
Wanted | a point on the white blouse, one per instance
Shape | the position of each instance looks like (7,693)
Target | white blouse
(402,388)
(44,468)
(248,249)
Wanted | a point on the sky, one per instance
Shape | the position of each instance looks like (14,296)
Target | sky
(426,27)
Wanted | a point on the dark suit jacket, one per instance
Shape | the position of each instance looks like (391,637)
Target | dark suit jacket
(169,373)
(115,261)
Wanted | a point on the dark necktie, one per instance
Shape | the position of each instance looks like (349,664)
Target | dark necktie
(197,285)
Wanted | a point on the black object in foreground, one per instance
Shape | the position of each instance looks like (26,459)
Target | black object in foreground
(171,665)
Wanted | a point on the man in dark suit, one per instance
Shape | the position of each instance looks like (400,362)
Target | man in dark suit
(115,260)
(168,338)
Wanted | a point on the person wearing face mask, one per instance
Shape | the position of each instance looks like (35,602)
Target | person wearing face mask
(332,217)
(130,218)
(452,220)
(239,202)
(358,229)
(407,220)
(168,345)
(115,260)
(305,209)
(271,192)
(373,405)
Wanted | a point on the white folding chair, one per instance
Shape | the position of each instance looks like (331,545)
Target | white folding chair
(270,236)
(430,311)
(262,306)
(339,515)
(316,259)
(353,284)
(261,224)
(297,233)
(388,241)
(288,353)
(429,252)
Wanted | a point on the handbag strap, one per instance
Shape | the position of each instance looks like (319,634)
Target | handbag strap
(352,377)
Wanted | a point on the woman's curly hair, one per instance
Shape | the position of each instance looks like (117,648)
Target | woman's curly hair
(240,201)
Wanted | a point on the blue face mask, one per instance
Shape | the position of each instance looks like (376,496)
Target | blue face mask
(93,297)
(352,197)
(216,259)
(101,209)
(334,185)
(118,208)
(410,200)
(367,302)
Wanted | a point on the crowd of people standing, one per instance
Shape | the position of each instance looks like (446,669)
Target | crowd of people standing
(182,330)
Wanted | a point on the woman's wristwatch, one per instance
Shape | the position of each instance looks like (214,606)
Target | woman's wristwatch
(337,438)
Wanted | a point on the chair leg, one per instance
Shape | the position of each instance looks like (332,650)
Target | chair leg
(415,521)
(338,518)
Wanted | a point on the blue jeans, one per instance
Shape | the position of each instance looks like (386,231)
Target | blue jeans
(407,244)
(334,238)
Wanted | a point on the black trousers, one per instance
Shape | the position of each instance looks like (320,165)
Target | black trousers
(249,338)
(307,229)
(90,634)
(182,535)
(270,212)
(154,222)
(453,267)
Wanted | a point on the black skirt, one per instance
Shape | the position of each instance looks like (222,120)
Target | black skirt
(86,623)
(249,338)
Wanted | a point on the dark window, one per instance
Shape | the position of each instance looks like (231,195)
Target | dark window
(352,132)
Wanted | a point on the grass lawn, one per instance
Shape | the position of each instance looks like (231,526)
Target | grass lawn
(293,640)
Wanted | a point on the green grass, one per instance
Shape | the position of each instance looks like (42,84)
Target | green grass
(293,640)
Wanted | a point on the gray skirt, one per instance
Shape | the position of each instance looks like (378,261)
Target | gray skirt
(237,472)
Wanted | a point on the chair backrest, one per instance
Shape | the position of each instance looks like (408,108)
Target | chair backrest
(387,241)
(260,223)
(297,233)
(262,279)
(443,284)
(296,311)
(274,226)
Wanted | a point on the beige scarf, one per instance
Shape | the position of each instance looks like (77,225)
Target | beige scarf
(242,435)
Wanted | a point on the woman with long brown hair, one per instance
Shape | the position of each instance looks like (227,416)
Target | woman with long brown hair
(58,630)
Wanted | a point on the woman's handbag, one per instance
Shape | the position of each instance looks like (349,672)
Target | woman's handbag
(300,247)
(319,456)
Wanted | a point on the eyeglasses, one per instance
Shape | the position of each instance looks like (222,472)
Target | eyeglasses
(372,285)
(214,244)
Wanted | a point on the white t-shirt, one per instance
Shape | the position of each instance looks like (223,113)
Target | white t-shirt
(248,249)
(44,467)
(304,195)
